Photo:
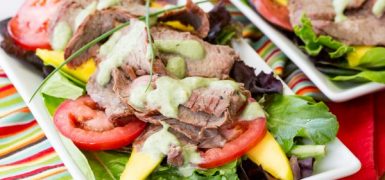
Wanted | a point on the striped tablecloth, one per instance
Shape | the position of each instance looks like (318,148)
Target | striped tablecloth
(26,153)
(24,150)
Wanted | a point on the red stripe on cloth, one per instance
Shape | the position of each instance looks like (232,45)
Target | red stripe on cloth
(275,51)
(33,157)
(31,173)
(11,130)
(3,75)
(380,133)
(9,86)
(356,130)
(263,46)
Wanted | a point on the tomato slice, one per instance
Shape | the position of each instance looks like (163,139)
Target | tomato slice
(87,126)
(275,13)
(30,27)
(254,131)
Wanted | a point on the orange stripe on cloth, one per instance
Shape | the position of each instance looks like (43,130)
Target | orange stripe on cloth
(20,144)
(7,92)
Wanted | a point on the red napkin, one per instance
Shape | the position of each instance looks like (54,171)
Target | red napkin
(362,130)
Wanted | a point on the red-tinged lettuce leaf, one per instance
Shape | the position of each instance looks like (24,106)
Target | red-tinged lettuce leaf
(313,44)
(222,28)
(259,84)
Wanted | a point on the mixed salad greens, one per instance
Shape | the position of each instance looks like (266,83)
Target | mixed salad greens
(177,103)
(344,39)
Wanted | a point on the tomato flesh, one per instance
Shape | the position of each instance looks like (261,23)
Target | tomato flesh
(275,13)
(30,27)
(254,132)
(88,127)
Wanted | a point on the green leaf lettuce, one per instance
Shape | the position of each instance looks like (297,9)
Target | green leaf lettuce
(294,116)
(314,44)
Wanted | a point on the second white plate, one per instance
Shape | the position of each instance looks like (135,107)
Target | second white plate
(334,91)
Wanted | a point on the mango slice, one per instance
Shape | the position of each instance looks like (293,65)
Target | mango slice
(140,166)
(55,58)
(271,157)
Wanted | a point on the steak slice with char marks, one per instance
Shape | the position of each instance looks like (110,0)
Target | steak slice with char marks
(217,62)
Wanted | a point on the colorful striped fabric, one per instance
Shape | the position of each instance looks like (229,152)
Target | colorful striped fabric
(24,150)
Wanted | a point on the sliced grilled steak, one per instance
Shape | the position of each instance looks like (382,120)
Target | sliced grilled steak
(361,27)
(93,26)
(190,15)
(115,109)
(217,62)
(216,101)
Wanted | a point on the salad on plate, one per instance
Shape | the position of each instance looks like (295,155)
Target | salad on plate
(343,38)
(153,90)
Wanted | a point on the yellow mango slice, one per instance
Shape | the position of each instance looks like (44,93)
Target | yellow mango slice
(139,166)
(178,25)
(271,157)
(282,2)
(354,57)
(55,58)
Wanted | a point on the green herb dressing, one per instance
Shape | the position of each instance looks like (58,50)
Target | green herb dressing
(339,8)
(116,49)
(379,8)
(84,13)
(103,4)
(187,48)
(191,158)
(170,93)
(158,144)
(62,33)
(177,67)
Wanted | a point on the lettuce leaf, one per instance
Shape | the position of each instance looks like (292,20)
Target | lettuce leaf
(314,44)
(60,87)
(364,76)
(52,103)
(107,164)
(226,172)
(373,58)
(290,117)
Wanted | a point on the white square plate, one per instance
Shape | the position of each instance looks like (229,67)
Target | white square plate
(336,92)
(338,163)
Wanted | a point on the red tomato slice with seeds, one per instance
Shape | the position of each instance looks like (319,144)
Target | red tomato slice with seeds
(30,27)
(254,131)
(88,127)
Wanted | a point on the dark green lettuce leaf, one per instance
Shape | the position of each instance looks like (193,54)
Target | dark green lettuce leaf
(364,76)
(290,117)
(52,103)
(313,44)
(107,165)
(226,172)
